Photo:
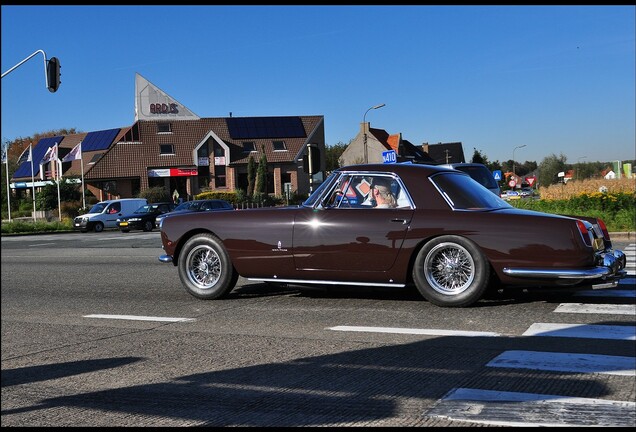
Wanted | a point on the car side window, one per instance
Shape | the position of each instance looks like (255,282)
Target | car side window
(356,191)
(114,208)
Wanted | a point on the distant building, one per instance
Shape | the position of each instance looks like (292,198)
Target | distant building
(379,141)
(170,146)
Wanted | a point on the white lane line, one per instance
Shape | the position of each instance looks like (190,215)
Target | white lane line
(566,362)
(430,332)
(40,244)
(530,409)
(140,318)
(591,331)
(596,309)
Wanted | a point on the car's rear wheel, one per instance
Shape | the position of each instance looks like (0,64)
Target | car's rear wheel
(451,271)
(148,226)
(205,268)
(99,227)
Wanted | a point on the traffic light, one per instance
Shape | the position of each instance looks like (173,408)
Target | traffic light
(311,161)
(53,74)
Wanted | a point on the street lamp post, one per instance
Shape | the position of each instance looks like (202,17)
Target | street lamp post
(578,163)
(513,159)
(364,125)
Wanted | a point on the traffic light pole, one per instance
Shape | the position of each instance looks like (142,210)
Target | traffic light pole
(46,78)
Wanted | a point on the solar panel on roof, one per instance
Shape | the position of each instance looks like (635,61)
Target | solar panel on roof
(99,140)
(265,127)
(24,170)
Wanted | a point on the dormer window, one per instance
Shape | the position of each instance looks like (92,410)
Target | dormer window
(279,145)
(166,149)
(249,146)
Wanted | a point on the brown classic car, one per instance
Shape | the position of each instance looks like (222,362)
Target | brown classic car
(392,225)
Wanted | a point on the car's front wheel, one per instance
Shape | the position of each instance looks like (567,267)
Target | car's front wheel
(149,226)
(99,227)
(451,271)
(205,268)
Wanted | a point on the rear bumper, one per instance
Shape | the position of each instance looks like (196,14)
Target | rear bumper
(610,265)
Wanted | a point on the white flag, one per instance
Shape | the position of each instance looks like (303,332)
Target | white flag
(74,154)
(30,157)
(50,155)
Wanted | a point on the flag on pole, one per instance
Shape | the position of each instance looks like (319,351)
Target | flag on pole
(30,157)
(74,154)
(24,156)
(51,154)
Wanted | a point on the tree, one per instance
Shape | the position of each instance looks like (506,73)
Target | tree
(261,175)
(479,157)
(251,176)
(332,155)
(549,169)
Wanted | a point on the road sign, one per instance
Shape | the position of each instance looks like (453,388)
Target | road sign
(389,156)
(512,183)
(531,180)
(497,174)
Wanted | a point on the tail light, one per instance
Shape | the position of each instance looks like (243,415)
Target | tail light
(584,232)
(604,229)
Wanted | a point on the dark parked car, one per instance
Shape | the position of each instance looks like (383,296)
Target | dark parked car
(480,173)
(197,205)
(446,234)
(144,217)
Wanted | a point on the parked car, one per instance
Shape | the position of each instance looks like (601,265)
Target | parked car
(526,192)
(144,217)
(510,195)
(104,214)
(197,205)
(480,173)
(448,236)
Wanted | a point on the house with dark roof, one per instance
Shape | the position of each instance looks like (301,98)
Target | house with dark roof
(370,144)
(171,147)
(445,153)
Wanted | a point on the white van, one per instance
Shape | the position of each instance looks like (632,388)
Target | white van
(104,214)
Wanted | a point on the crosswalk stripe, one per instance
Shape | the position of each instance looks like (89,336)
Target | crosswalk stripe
(530,409)
(591,331)
(596,309)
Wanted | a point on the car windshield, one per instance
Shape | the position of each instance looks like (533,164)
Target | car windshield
(184,206)
(98,208)
(146,209)
(462,193)
(316,194)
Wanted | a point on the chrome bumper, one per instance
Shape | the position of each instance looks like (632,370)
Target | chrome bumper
(610,266)
(165,258)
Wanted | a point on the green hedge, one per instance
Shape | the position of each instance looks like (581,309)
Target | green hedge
(618,210)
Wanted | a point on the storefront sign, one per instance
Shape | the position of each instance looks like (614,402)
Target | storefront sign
(172,172)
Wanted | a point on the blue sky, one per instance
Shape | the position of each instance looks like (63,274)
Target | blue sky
(557,79)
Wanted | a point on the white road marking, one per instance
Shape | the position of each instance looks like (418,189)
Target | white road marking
(430,332)
(566,362)
(140,318)
(582,331)
(596,308)
(530,409)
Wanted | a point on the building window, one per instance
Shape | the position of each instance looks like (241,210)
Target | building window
(219,176)
(164,127)
(249,146)
(279,145)
(167,149)
(95,158)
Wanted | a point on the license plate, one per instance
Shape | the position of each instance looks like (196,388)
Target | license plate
(123,223)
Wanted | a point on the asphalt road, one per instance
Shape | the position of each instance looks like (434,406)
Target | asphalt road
(97,332)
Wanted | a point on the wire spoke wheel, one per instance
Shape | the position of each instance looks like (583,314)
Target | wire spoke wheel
(204,267)
(449,268)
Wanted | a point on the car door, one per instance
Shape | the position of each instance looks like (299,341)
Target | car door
(351,235)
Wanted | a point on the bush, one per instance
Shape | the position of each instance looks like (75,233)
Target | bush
(156,194)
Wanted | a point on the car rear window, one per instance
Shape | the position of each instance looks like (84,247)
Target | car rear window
(464,194)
